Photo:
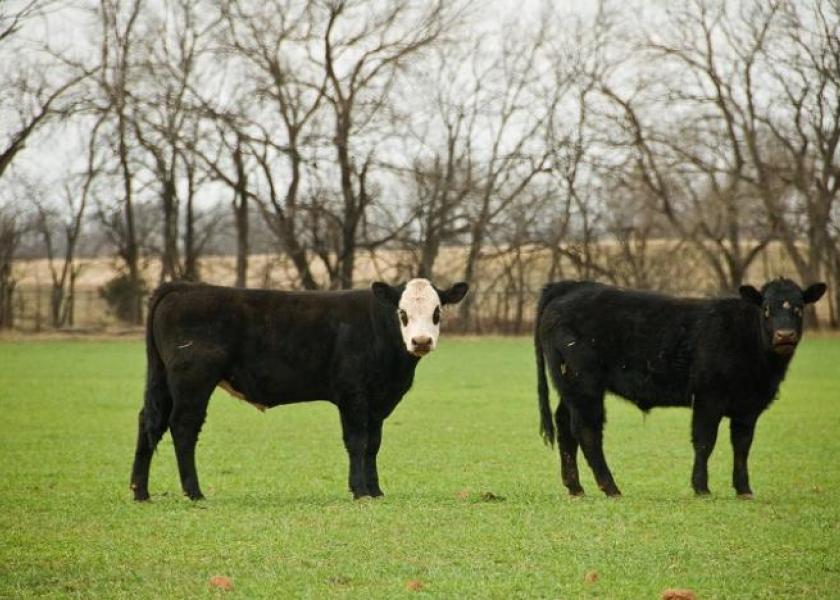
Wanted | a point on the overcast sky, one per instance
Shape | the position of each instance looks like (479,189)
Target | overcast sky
(55,148)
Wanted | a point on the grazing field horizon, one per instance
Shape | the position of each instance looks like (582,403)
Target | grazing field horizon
(474,506)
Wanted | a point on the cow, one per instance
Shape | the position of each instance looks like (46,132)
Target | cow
(357,349)
(722,357)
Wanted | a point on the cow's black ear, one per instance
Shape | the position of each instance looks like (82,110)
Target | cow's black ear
(385,293)
(814,293)
(750,294)
(454,294)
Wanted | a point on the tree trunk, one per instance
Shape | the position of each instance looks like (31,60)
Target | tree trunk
(70,315)
(240,209)
(7,288)
(190,270)
(56,305)
(130,251)
(469,274)
(241,215)
(169,258)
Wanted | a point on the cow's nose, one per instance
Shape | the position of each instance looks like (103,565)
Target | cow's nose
(784,336)
(421,341)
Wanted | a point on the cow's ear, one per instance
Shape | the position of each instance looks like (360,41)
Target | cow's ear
(814,293)
(454,294)
(750,294)
(386,293)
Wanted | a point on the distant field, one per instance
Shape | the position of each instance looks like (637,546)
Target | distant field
(680,271)
(473,508)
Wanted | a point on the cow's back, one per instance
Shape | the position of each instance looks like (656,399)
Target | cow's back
(636,344)
(275,347)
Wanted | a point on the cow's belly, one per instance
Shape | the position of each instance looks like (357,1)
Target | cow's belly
(647,389)
(265,388)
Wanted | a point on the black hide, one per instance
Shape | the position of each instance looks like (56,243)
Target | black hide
(271,348)
(723,358)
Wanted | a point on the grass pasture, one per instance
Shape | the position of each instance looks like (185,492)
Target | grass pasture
(473,508)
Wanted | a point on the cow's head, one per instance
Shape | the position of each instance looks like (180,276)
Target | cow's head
(417,306)
(782,303)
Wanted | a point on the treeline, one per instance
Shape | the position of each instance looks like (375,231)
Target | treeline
(327,131)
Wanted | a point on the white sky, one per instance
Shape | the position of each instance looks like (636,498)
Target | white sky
(55,150)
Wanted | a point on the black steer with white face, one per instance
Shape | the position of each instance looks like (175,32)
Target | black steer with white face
(722,358)
(357,349)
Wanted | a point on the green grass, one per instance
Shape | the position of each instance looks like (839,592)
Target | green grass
(279,522)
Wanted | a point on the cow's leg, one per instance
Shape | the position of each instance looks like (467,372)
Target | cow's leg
(150,427)
(587,421)
(741,433)
(188,413)
(371,472)
(568,447)
(354,427)
(146,443)
(704,430)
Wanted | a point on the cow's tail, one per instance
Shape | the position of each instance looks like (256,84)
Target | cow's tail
(157,402)
(546,420)
(549,293)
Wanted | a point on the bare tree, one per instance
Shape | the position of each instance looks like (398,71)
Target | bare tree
(284,96)
(439,139)
(691,159)
(68,220)
(33,94)
(163,119)
(509,109)
(12,229)
(804,131)
(118,30)
(364,50)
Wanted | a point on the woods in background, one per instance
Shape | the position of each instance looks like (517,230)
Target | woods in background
(456,139)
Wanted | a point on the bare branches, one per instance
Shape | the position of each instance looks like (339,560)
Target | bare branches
(346,132)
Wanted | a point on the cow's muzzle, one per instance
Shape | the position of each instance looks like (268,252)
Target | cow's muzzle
(784,341)
(421,345)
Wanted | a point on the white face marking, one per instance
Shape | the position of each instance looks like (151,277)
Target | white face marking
(419,314)
(786,305)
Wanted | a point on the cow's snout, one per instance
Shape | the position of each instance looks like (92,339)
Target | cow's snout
(421,345)
(784,340)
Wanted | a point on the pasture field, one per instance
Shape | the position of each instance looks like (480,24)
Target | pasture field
(473,509)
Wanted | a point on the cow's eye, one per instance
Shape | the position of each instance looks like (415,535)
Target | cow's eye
(403,317)
(766,312)
(436,315)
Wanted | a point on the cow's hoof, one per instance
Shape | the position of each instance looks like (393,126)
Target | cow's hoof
(194,497)
(611,491)
(362,497)
(377,493)
(141,494)
(746,496)
(702,493)
(613,495)
(576,493)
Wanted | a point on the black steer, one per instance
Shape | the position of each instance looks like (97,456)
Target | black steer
(357,349)
(723,358)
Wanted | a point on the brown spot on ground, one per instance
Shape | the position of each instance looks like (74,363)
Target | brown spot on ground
(462,494)
(590,576)
(414,585)
(491,497)
(221,582)
(678,594)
